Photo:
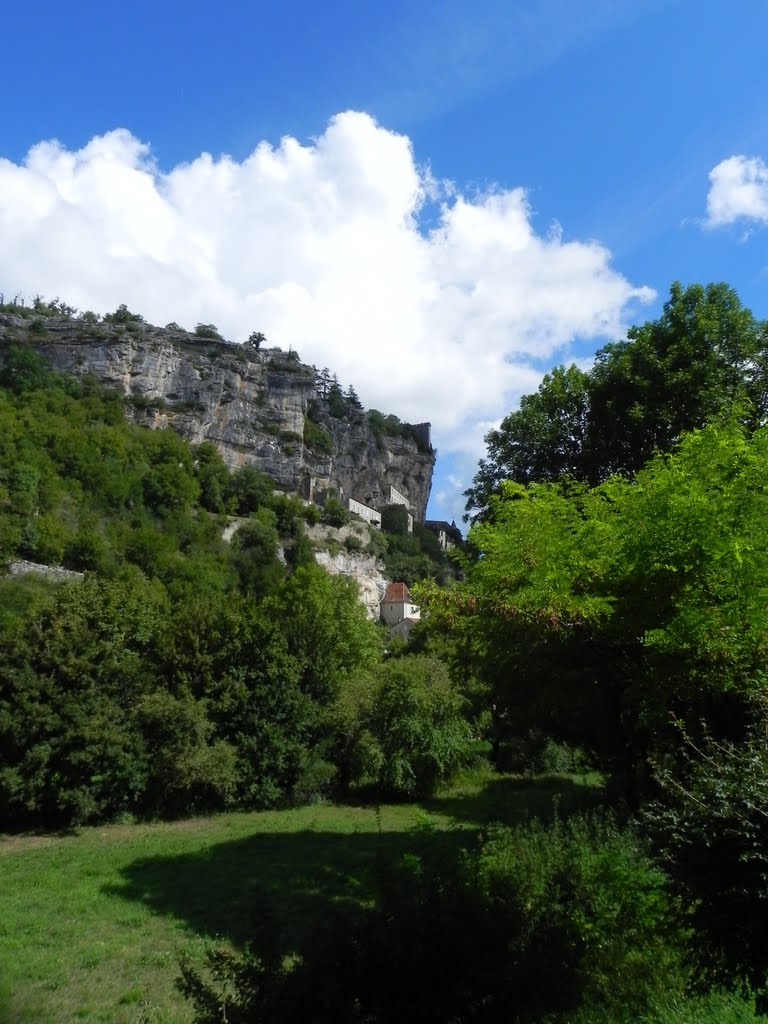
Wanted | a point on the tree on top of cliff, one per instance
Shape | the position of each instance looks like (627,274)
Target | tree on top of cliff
(352,398)
(335,398)
(208,331)
(123,315)
(322,381)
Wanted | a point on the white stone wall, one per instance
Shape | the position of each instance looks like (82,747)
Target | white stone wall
(370,515)
(396,498)
(393,612)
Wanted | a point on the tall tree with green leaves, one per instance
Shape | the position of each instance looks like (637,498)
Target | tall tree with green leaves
(703,357)
(596,614)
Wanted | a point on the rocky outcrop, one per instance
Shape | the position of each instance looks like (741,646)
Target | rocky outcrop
(364,568)
(57,573)
(254,405)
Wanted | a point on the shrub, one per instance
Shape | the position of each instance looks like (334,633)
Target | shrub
(536,754)
(123,315)
(711,830)
(394,519)
(312,514)
(713,1008)
(317,438)
(334,513)
(569,923)
(400,730)
(208,331)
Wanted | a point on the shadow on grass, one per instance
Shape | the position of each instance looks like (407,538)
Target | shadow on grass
(224,891)
(513,800)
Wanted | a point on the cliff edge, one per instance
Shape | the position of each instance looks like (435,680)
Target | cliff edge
(259,406)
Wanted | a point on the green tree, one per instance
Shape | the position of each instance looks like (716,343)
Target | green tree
(594,613)
(545,439)
(208,331)
(704,356)
(326,629)
(337,405)
(400,729)
(322,381)
(123,315)
(394,519)
(352,399)
(255,554)
(212,475)
(710,828)
(73,673)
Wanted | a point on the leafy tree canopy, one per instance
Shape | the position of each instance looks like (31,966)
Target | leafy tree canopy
(594,613)
(705,355)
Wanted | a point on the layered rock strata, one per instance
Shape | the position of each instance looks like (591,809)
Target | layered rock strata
(253,404)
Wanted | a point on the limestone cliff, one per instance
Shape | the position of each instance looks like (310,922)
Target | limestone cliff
(258,407)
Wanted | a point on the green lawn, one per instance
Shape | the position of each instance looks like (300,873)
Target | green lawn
(92,924)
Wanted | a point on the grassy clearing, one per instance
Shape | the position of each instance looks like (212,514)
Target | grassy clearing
(93,923)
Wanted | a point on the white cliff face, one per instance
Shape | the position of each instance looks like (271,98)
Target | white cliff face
(252,404)
(365,569)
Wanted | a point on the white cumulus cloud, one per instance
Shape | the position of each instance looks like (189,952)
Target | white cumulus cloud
(738,190)
(319,246)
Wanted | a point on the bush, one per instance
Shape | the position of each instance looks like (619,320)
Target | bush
(710,828)
(569,923)
(394,519)
(401,730)
(537,754)
(123,315)
(317,438)
(713,1008)
(312,514)
(334,513)
(208,331)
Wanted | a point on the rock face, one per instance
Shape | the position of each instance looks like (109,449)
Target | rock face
(21,567)
(364,568)
(258,407)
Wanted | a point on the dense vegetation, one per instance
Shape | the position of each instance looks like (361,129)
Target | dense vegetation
(610,614)
(184,673)
(612,611)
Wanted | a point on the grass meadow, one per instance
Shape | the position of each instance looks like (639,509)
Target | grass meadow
(93,923)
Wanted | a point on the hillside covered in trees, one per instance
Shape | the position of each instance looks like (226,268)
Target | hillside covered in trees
(184,672)
(259,405)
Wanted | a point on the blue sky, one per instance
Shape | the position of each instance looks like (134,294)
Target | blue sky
(518,183)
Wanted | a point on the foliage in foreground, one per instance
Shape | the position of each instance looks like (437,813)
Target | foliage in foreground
(569,922)
(710,828)
(116,699)
(592,614)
